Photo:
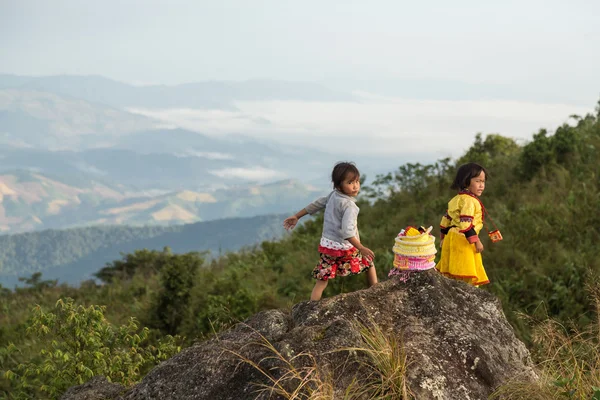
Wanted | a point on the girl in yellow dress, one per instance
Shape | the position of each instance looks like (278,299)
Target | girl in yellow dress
(461,247)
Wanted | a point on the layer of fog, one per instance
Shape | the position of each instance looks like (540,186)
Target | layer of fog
(374,125)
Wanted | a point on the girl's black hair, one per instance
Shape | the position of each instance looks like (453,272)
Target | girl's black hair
(341,170)
(465,173)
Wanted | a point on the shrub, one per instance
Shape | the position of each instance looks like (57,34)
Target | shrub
(80,343)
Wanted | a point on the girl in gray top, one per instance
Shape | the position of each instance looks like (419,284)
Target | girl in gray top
(341,253)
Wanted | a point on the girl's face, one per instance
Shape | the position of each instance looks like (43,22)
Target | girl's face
(351,185)
(477,185)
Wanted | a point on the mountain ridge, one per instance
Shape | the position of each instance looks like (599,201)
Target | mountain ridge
(31,200)
(206,94)
(74,255)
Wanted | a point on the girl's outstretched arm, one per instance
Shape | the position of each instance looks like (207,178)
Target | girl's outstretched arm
(290,222)
(318,204)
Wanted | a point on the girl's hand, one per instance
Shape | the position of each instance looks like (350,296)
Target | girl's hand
(478,247)
(441,243)
(290,222)
(367,252)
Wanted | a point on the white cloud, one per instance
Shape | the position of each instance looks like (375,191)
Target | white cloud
(211,155)
(251,174)
(90,169)
(376,124)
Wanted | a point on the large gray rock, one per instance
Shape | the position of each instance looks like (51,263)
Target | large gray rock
(456,337)
(97,388)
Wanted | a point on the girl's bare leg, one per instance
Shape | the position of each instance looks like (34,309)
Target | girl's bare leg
(317,291)
(372,276)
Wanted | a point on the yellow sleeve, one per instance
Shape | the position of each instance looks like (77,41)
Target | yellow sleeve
(466,210)
(446,221)
(445,224)
(467,207)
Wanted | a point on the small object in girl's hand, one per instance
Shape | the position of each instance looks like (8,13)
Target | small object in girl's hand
(495,235)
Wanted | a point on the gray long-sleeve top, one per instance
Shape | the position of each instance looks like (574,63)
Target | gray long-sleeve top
(340,219)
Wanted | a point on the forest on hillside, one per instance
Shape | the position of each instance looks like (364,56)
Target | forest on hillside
(74,255)
(543,195)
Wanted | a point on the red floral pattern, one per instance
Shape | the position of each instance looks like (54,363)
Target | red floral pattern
(334,263)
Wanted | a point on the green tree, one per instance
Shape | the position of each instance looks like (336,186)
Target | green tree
(177,278)
(80,343)
(36,283)
(491,151)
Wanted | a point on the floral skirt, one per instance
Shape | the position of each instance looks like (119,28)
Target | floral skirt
(334,263)
(460,261)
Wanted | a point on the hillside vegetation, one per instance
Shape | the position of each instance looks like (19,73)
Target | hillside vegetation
(73,255)
(544,196)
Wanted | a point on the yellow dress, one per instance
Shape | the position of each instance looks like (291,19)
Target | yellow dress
(462,222)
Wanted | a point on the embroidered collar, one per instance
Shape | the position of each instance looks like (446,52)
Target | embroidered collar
(469,193)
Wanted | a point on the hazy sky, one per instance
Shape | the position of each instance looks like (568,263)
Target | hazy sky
(533,63)
(527,42)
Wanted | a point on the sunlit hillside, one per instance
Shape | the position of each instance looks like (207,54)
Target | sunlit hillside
(543,195)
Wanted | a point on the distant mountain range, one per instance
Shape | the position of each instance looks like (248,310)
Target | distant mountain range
(216,94)
(223,94)
(30,118)
(33,201)
(66,162)
(82,179)
(57,135)
(74,255)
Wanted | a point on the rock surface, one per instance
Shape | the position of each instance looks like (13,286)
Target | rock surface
(97,388)
(456,337)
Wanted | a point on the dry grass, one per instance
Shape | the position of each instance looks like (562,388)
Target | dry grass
(387,361)
(570,366)
(299,377)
